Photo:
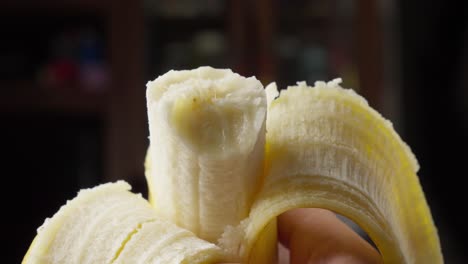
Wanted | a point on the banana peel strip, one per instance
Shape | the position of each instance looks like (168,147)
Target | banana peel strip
(326,148)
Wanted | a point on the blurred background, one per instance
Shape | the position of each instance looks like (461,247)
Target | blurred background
(73,74)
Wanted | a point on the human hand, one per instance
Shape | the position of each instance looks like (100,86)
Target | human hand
(318,236)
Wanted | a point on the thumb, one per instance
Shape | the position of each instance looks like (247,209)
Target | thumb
(318,236)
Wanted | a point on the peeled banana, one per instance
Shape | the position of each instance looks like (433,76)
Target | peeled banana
(208,131)
(226,158)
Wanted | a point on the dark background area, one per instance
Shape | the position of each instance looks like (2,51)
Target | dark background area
(435,104)
(73,74)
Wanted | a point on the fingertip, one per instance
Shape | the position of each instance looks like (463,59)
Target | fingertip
(314,234)
(290,221)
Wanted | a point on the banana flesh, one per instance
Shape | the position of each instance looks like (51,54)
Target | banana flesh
(207,132)
(226,158)
(108,224)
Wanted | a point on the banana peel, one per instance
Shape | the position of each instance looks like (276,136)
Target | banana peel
(326,148)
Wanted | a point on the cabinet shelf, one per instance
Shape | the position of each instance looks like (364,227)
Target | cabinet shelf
(179,28)
(29,97)
(33,6)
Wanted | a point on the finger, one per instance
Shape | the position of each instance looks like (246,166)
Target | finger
(318,236)
(283,254)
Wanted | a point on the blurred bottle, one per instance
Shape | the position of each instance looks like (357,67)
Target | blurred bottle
(76,60)
(185,8)
(60,70)
(209,49)
(176,56)
(93,73)
(313,63)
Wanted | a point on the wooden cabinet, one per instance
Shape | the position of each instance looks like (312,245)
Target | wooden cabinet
(60,132)
(283,41)
(139,44)
(253,35)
